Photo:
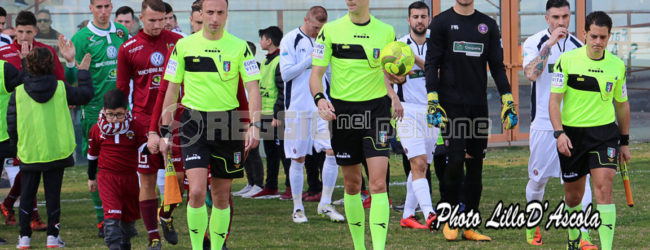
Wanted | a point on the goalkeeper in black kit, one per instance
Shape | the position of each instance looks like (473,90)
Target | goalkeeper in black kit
(462,42)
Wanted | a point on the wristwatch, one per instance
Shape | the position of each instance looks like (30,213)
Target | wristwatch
(256,124)
(557,133)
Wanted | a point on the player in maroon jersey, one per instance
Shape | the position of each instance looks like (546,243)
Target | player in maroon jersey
(115,143)
(142,59)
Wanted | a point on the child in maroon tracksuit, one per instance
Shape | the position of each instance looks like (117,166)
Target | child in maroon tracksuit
(114,144)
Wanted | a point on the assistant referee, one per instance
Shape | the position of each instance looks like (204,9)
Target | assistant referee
(209,63)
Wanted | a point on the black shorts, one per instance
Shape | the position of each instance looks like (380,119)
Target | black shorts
(361,130)
(593,147)
(215,143)
(466,131)
(7,150)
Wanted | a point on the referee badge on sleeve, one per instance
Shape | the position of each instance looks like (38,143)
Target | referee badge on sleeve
(558,80)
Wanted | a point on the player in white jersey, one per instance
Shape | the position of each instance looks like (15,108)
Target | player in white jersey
(417,138)
(541,51)
(303,127)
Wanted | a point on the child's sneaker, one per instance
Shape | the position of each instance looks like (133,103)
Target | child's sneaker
(23,242)
(54,242)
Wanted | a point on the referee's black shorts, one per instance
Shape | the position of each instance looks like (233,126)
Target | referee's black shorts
(361,130)
(466,131)
(593,147)
(207,139)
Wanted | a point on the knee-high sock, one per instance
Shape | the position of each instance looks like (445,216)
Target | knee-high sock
(356,218)
(219,222)
(197,223)
(586,200)
(411,201)
(379,213)
(297,179)
(330,172)
(535,191)
(607,226)
(573,232)
(421,191)
(167,211)
(149,214)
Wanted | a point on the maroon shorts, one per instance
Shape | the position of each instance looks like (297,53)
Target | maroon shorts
(119,194)
(150,164)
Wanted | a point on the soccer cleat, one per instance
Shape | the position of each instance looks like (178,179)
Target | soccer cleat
(154,245)
(23,242)
(472,234)
(367,202)
(100,230)
(430,219)
(411,222)
(299,216)
(266,194)
(8,213)
(450,234)
(286,195)
(339,202)
(54,242)
(586,245)
(37,224)
(364,195)
(573,244)
(254,190)
(533,236)
(314,197)
(242,191)
(329,211)
(168,230)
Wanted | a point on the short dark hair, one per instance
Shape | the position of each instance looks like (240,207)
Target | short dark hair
(39,61)
(318,12)
(25,18)
(114,99)
(44,11)
(557,4)
(125,10)
(155,5)
(168,8)
(200,2)
(252,46)
(196,6)
(174,16)
(3,12)
(419,5)
(272,32)
(598,18)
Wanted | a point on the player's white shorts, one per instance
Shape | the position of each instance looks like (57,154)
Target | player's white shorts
(416,136)
(301,134)
(543,162)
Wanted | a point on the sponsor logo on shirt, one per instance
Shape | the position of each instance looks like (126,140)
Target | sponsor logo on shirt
(136,49)
(129,43)
(106,63)
(113,74)
(557,80)
(319,51)
(362,36)
(469,48)
(482,28)
(251,67)
(114,211)
(155,81)
(453,27)
(171,67)
(10,55)
(111,52)
(150,70)
(157,59)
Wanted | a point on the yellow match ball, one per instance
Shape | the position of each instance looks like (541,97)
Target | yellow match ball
(397,58)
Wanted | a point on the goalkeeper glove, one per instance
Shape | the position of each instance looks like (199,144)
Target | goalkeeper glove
(436,116)
(508,112)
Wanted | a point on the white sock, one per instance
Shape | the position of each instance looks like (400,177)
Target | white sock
(586,200)
(411,201)
(296,177)
(329,175)
(421,191)
(535,191)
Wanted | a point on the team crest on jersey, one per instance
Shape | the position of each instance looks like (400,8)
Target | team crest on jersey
(611,153)
(609,87)
(482,28)
(113,74)
(375,53)
(535,172)
(120,33)
(237,158)
(157,59)
(130,134)
(226,66)
(156,80)
(111,52)
(383,138)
